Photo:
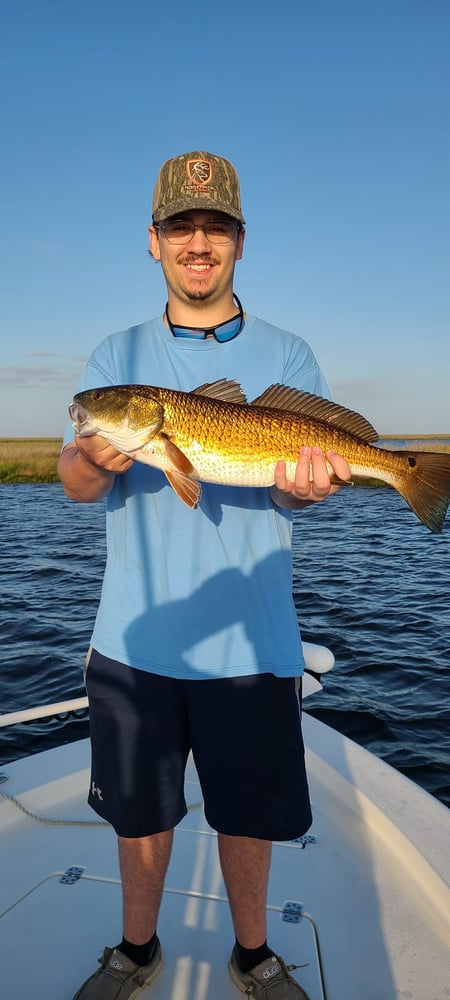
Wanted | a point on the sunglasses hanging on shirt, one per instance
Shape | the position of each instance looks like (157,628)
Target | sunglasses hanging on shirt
(222,332)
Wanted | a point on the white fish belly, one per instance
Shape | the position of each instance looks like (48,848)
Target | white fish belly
(214,467)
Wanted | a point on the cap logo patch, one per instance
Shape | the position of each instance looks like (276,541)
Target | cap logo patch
(200,172)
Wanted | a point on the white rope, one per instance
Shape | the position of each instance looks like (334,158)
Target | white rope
(51,822)
(66,822)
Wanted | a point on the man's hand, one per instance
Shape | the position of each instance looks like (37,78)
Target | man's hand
(87,468)
(312,478)
(99,452)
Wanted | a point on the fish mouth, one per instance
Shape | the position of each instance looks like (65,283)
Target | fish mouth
(80,418)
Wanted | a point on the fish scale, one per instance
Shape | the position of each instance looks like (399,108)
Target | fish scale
(245,442)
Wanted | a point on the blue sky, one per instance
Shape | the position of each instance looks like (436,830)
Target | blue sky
(336,115)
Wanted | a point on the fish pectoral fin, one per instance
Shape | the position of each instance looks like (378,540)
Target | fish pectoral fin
(176,457)
(226,389)
(179,475)
(282,397)
(188,490)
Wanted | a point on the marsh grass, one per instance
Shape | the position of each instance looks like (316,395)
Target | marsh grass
(29,460)
(426,442)
(33,460)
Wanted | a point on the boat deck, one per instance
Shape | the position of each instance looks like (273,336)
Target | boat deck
(364,906)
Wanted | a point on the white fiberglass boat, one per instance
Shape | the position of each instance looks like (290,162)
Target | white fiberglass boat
(361,903)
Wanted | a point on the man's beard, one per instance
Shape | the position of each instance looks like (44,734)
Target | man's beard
(199,294)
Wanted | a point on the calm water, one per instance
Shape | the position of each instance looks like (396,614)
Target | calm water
(370,582)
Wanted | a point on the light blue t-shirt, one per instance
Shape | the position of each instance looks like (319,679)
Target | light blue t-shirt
(208,592)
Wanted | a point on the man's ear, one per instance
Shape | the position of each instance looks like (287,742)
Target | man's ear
(240,245)
(153,243)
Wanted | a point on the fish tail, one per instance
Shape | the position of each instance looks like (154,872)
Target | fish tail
(426,487)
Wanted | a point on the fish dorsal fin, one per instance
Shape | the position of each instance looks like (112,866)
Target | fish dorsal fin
(225,388)
(282,397)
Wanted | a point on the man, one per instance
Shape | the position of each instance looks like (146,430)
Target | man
(196,643)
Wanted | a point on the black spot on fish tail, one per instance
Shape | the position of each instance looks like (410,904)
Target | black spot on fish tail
(426,487)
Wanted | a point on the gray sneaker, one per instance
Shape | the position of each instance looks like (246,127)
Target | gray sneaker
(270,980)
(118,978)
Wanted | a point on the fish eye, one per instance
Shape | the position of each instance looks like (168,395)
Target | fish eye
(98,394)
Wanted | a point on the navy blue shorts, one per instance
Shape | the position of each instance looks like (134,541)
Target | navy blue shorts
(245,736)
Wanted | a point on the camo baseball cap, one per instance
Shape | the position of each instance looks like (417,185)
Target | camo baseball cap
(196,180)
